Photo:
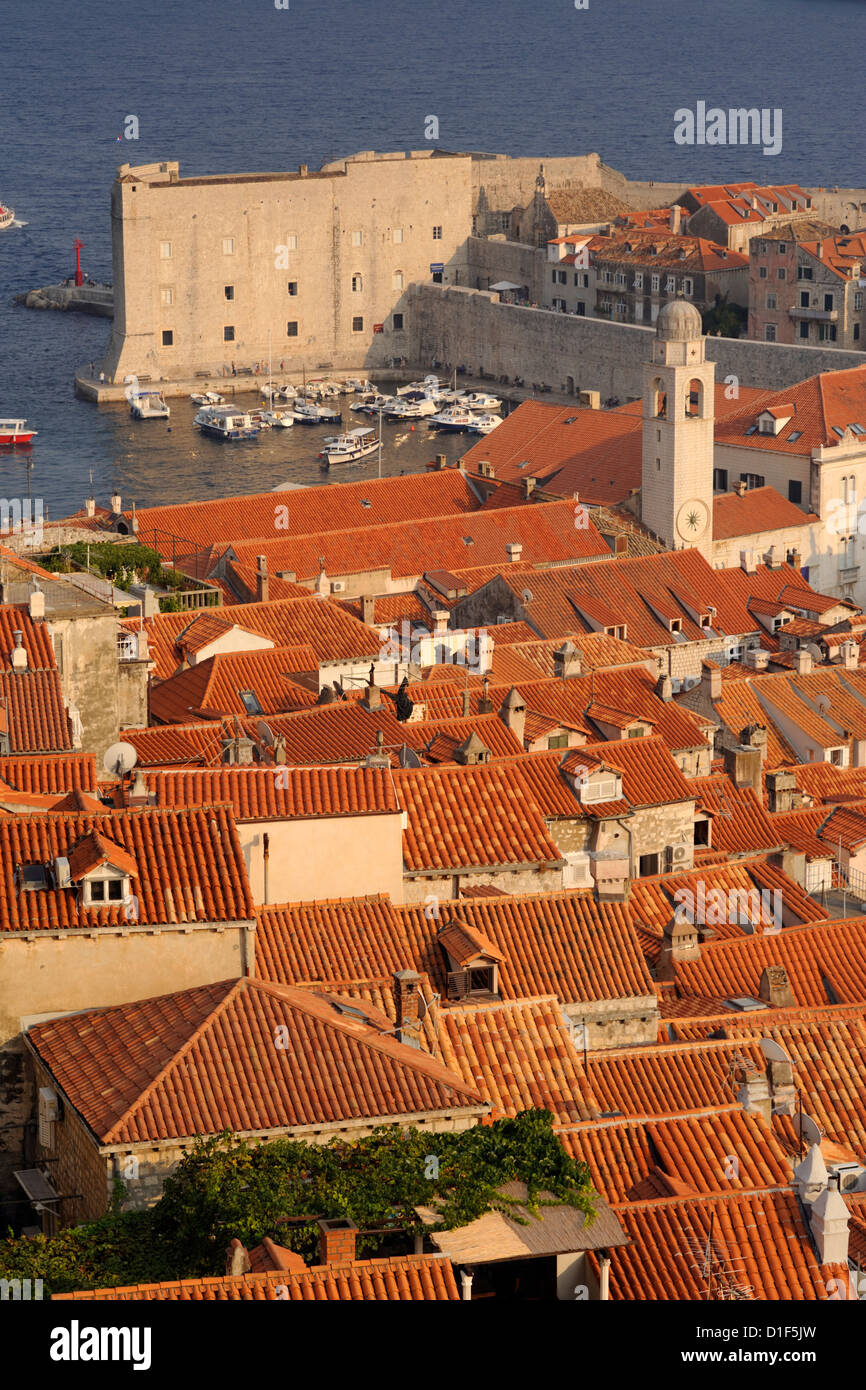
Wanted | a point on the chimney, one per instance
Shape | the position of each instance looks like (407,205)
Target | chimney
(680,942)
(772,558)
(514,549)
(744,764)
(323,585)
(440,621)
(802,661)
(407,1004)
(528,486)
(567,661)
(775,988)
(378,758)
(781,791)
(237,1258)
(441,462)
(90,506)
(741,488)
(850,653)
(133,522)
(711,680)
(466,1277)
(138,794)
(513,713)
(485,704)
(756,659)
(115,503)
(368,608)
(676,219)
(337,1241)
(262,583)
(486,469)
(810,1176)
(237,750)
(753,1090)
(36,604)
(372,698)
(664,688)
(747,561)
(828,1219)
(18,655)
(467,702)
(796,560)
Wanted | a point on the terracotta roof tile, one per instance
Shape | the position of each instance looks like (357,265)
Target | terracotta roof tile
(203,1060)
(820,405)
(213,686)
(825,964)
(49,773)
(33,711)
(759,509)
(281,793)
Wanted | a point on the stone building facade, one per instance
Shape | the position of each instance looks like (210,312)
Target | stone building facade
(808,291)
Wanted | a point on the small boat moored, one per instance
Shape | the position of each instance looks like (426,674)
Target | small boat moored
(483,424)
(224,423)
(207,398)
(15,432)
(453,419)
(482,400)
(350,447)
(148,405)
(7,217)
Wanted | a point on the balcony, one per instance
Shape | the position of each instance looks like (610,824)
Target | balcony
(818,315)
(849,574)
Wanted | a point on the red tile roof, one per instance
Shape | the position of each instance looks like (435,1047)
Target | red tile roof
(35,638)
(820,405)
(666,248)
(49,773)
(650,774)
(189,866)
(203,1060)
(330,942)
(759,509)
(33,711)
(400,1278)
(281,793)
(213,686)
(740,821)
(825,964)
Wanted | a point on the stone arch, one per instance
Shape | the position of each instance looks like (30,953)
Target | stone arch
(659,399)
(694,402)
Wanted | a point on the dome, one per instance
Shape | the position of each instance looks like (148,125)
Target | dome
(679,321)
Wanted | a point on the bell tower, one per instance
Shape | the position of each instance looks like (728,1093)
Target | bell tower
(678,431)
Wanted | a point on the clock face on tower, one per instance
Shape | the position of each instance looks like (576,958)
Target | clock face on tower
(692,520)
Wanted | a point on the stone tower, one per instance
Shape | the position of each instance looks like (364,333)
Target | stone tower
(678,411)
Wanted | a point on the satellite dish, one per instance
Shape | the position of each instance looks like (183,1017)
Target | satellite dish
(808,1130)
(773,1052)
(822,704)
(120,758)
(526,595)
(265,733)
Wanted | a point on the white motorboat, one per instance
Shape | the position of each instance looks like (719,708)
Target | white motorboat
(375,404)
(412,410)
(207,398)
(483,424)
(221,422)
(287,392)
(148,405)
(15,432)
(482,400)
(351,447)
(452,418)
(259,418)
(309,412)
(430,383)
(449,397)
(359,388)
(7,217)
(278,419)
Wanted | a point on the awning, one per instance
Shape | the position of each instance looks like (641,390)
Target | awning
(505,285)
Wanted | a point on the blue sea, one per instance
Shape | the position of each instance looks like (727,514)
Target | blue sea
(223,86)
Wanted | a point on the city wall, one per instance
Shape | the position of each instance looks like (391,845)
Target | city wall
(454,324)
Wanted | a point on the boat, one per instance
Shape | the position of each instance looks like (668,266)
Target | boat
(352,446)
(287,392)
(360,388)
(452,418)
(224,423)
(278,419)
(406,409)
(7,217)
(374,404)
(15,432)
(308,412)
(259,418)
(482,400)
(148,405)
(207,398)
(483,424)
(430,383)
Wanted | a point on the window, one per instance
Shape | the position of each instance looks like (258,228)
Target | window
(292,287)
(638,281)
(638,311)
(856,332)
(357,238)
(292,241)
(762,247)
(783,248)
(167,337)
(720,479)
(752,479)
(581,309)
(398,323)
(649,865)
(397,280)
(795,490)
(688,287)
(553,277)
(557,741)
(826,332)
(781,273)
(229,291)
(805,299)
(559,304)
(563,278)
(357,283)
(603,789)
(858,300)
(33,878)
(166,296)
(250,702)
(769,332)
(105,890)
(671,284)
(637,733)
(772,301)
(621,278)
(804,272)
(229,333)
(292,328)
(762,272)
(828,303)
(804,330)
(357,325)
(228,246)
(165,250)
(397,236)
(655,282)
(437,233)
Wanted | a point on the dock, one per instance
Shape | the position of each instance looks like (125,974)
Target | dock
(71,298)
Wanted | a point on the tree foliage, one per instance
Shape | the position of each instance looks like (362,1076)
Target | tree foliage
(224,1188)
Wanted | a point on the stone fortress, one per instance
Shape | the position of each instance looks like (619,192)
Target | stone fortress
(352,267)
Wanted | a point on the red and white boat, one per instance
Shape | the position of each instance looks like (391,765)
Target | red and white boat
(7,217)
(15,432)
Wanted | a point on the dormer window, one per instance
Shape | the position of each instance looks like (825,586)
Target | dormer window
(106,890)
(606,786)
(103,869)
